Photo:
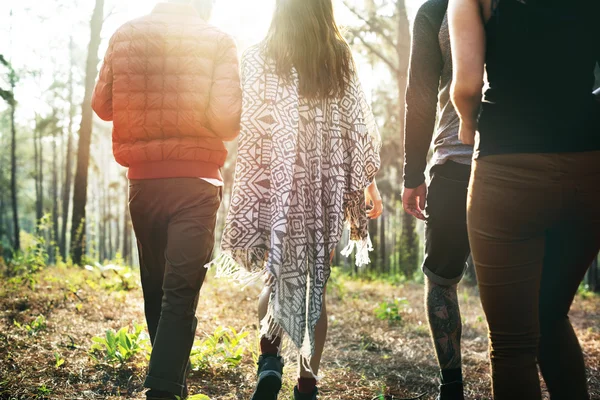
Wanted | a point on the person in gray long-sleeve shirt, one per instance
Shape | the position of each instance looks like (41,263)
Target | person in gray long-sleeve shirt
(443,204)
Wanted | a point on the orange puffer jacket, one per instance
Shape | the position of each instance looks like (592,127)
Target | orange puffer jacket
(170,83)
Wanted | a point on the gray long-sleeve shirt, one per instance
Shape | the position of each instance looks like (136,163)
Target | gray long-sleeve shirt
(428,96)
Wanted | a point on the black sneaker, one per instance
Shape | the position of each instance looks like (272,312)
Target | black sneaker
(304,396)
(153,394)
(452,391)
(270,372)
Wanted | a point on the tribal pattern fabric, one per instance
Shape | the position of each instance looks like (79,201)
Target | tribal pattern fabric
(302,168)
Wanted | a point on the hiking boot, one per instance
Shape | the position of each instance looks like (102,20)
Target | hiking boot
(153,394)
(452,391)
(270,371)
(305,396)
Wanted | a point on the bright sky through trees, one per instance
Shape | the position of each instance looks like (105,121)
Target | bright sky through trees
(35,38)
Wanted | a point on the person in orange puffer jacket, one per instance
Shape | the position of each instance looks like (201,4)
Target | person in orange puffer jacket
(170,83)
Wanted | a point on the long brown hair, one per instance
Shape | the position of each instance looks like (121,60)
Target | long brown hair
(305,36)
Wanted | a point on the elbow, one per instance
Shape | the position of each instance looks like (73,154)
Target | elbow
(106,117)
(230,138)
(225,124)
(466,93)
(103,112)
(230,133)
(102,105)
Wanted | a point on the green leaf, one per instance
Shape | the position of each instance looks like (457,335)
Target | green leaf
(198,397)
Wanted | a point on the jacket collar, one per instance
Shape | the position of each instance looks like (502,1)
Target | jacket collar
(175,8)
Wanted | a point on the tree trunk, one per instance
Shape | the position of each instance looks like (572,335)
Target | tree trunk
(402,51)
(85,138)
(409,240)
(3,229)
(13,177)
(593,277)
(374,234)
(103,218)
(117,226)
(383,263)
(36,172)
(126,226)
(40,177)
(54,197)
(68,182)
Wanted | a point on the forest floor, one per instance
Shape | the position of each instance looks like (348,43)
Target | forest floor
(366,356)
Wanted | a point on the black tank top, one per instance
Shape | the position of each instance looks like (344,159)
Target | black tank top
(540,61)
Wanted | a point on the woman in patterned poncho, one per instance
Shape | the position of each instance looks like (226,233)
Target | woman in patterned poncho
(308,155)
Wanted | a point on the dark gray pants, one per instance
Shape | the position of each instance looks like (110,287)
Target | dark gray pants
(446,239)
(174,222)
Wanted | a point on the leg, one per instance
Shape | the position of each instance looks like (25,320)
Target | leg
(320,338)
(569,253)
(571,247)
(306,379)
(150,230)
(444,319)
(189,248)
(446,253)
(270,364)
(268,346)
(507,241)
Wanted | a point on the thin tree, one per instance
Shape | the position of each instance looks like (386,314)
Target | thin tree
(9,97)
(85,136)
(68,181)
(387,39)
(593,276)
(55,198)
(126,225)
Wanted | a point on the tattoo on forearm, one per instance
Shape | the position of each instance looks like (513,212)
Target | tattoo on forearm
(445,323)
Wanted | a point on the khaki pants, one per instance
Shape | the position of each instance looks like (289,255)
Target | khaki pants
(534,229)
(174,222)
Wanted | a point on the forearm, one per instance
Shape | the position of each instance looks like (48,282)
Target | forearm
(426,64)
(415,160)
(467,37)
(420,125)
(467,102)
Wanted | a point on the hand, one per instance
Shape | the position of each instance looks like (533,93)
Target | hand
(373,200)
(466,133)
(413,201)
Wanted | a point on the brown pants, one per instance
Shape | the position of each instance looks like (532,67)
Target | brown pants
(534,228)
(174,222)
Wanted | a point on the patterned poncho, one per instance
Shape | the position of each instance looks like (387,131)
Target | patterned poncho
(302,168)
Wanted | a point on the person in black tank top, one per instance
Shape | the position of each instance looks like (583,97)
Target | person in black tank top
(533,206)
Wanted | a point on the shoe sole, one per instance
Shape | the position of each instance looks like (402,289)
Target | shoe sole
(268,386)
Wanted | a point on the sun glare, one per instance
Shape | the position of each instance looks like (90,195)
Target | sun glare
(35,34)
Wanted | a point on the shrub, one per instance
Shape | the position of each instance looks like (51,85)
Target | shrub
(223,349)
(24,264)
(390,311)
(119,347)
(336,286)
(43,391)
(58,360)
(115,277)
(37,325)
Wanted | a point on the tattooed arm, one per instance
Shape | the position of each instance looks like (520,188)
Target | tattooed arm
(445,323)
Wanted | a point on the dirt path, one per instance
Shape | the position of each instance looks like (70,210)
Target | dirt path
(364,356)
